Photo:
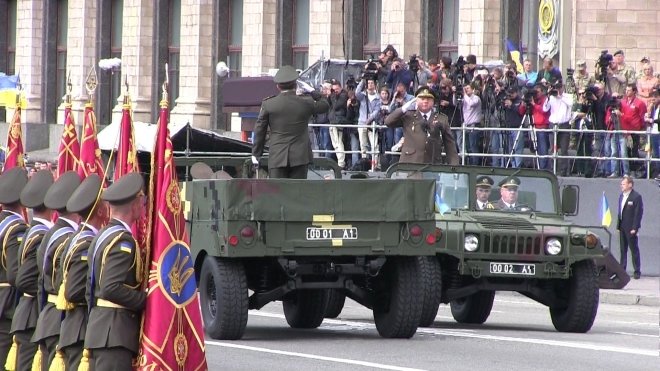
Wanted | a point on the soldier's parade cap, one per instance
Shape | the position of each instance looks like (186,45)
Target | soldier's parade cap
(618,52)
(59,193)
(511,181)
(645,60)
(424,92)
(124,189)
(84,196)
(12,183)
(485,182)
(285,74)
(34,193)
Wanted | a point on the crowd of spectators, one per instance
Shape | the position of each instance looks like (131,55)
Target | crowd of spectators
(525,111)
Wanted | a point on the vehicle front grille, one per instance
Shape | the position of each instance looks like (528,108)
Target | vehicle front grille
(500,223)
(512,245)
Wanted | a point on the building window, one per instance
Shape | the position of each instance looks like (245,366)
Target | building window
(371,31)
(300,47)
(62,27)
(234,58)
(173,48)
(11,38)
(448,29)
(117,17)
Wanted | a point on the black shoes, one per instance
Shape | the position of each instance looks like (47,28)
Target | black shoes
(637,275)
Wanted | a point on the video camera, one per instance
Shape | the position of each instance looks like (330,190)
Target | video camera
(370,71)
(603,62)
(351,84)
(554,89)
(413,63)
(459,77)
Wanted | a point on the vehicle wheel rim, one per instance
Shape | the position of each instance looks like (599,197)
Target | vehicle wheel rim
(211,296)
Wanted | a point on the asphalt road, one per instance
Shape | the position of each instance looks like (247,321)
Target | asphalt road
(518,336)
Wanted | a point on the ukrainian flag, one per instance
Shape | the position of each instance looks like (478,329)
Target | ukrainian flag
(440,205)
(605,212)
(9,90)
(516,55)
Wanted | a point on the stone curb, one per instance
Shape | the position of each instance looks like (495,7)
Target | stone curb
(610,297)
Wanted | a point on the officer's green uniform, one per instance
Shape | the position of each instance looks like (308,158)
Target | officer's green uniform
(113,286)
(509,182)
(27,311)
(12,229)
(72,273)
(287,116)
(47,332)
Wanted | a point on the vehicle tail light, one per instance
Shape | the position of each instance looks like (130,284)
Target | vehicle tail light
(247,232)
(430,239)
(416,231)
(233,240)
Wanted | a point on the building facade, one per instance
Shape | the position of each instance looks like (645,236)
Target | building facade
(49,40)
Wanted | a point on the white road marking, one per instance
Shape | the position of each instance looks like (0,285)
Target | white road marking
(457,333)
(313,356)
(634,334)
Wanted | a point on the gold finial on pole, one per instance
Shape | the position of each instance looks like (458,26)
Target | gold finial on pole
(166,85)
(127,97)
(19,89)
(91,83)
(69,88)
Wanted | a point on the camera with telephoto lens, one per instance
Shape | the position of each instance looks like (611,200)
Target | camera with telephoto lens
(413,63)
(370,71)
(590,93)
(603,62)
(351,84)
(554,90)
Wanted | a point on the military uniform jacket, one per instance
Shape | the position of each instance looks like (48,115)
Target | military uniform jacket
(423,142)
(11,234)
(115,267)
(48,259)
(27,311)
(74,267)
(287,116)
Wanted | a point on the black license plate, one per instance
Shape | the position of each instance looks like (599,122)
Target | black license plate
(315,233)
(513,268)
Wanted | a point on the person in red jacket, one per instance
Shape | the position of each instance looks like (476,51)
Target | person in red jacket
(541,120)
(631,116)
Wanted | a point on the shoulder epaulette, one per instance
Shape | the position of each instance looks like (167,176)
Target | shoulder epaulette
(267,98)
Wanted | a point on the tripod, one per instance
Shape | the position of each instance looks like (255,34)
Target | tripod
(582,145)
(527,122)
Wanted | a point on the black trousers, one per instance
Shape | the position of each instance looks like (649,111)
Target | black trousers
(111,359)
(73,354)
(563,140)
(26,350)
(48,348)
(629,241)
(5,339)
(291,172)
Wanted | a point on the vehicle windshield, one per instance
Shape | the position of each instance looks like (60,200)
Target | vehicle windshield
(451,188)
(530,194)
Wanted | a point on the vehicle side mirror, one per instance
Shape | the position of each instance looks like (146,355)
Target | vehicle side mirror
(570,197)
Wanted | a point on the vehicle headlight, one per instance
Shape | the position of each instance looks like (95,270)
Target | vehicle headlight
(591,240)
(553,246)
(471,242)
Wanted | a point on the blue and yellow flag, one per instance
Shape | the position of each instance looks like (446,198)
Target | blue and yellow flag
(605,212)
(440,205)
(9,90)
(516,55)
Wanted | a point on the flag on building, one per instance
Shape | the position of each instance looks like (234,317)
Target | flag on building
(90,153)
(9,89)
(605,212)
(69,151)
(516,54)
(14,151)
(172,335)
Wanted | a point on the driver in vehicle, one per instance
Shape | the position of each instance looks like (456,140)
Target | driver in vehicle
(509,194)
(484,185)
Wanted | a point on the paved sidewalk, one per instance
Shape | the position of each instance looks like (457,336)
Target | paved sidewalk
(644,291)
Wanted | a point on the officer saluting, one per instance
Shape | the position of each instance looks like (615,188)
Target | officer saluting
(287,116)
(114,278)
(12,229)
(72,273)
(27,311)
(47,331)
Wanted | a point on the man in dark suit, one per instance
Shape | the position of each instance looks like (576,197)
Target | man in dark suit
(287,116)
(114,280)
(27,310)
(12,229)
(631,209)
(425,132)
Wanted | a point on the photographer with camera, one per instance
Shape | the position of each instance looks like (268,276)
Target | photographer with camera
(559,105)
(549,75)
(584,121)
(469,68)
(534,101)
(472,117)
(652,119)
(368,104)
(447,107)
(513,119)
(382,109)
(399,74)
(422,75)
(631,115)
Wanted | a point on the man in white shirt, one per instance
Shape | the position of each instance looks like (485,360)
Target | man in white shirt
(560,105)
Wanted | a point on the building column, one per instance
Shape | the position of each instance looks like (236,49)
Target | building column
(136,59)
(81,54)
(29,20)
(197,67)
(325,30)
(479,31)
(259,36)
(400,26)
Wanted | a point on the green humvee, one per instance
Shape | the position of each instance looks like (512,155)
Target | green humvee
(531,249)
(309,243)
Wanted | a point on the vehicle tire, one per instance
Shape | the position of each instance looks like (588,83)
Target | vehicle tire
(305,308)
(581,293)
(224,298)
(432,281)
(399,295)
(473,309)
(336,300)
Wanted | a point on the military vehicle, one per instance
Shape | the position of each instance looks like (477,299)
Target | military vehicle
(307,243)
(531,249)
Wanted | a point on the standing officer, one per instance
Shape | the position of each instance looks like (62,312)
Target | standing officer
(631,209)
(287,116)
(115,272)
(72,273)
(12,229)
(426,133)
(27,311)
(484,186)
(47,332)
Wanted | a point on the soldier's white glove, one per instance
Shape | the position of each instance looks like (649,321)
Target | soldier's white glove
(410,105)
(255,162)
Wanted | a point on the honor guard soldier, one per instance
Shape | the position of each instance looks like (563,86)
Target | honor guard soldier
(47,332)
(72,272)
(287,116)
(426,133)
(12,229)
(27,311)
(115,272)
(484,186)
